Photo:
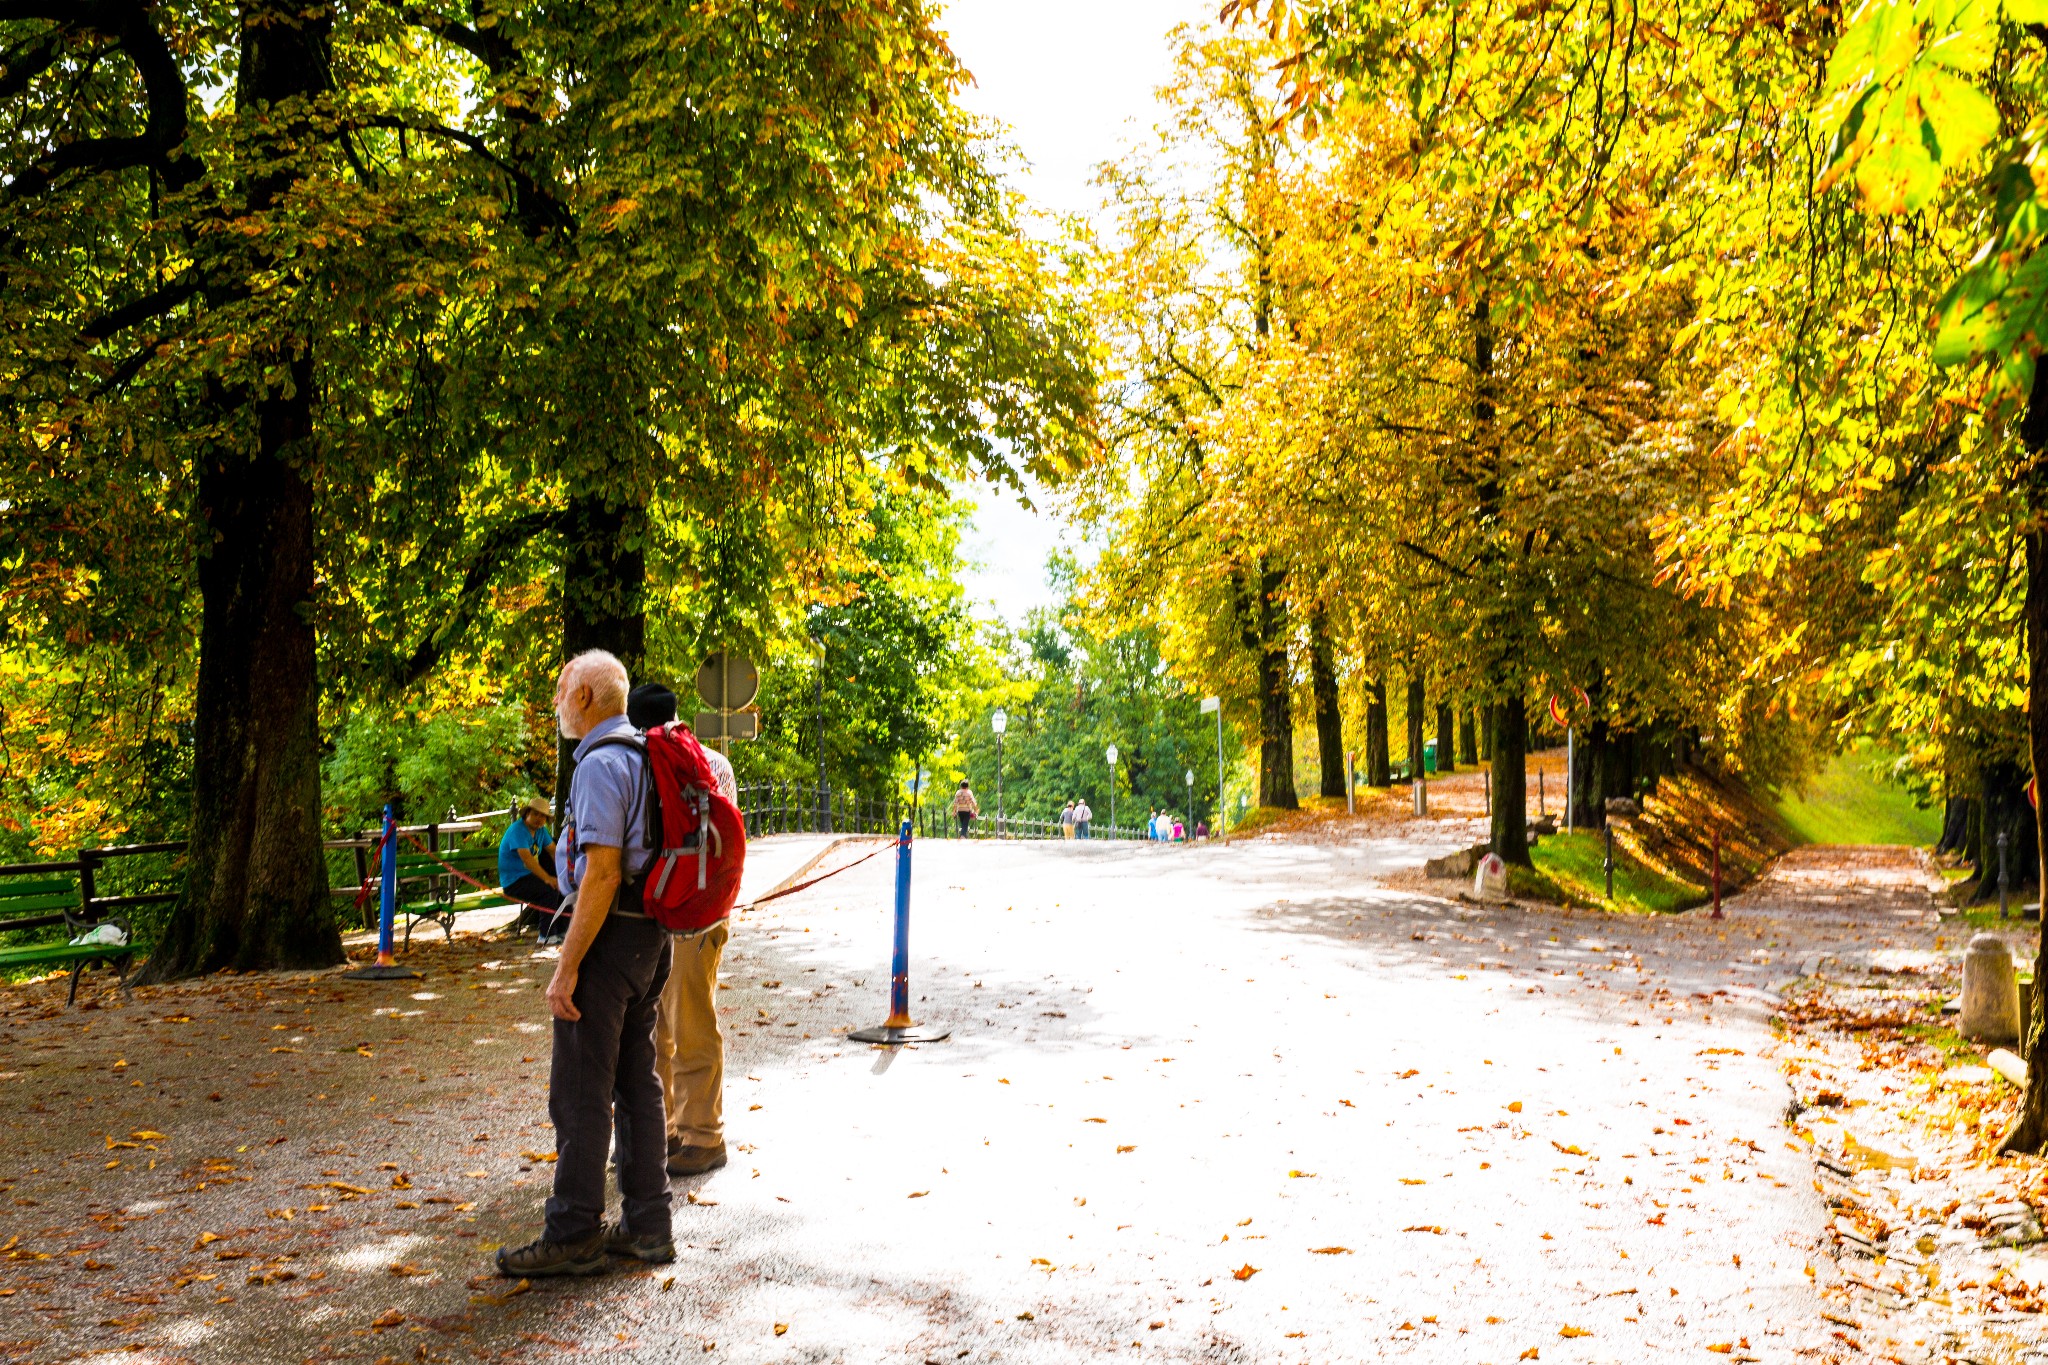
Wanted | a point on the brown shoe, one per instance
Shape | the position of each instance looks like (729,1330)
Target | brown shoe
(687,1160)
(542,1257)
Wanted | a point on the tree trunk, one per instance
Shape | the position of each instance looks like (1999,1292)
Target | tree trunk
(1468,738)
(1379,768)
(1485,728)
(1589,802)
(1415,734)
(1329,714)
(1262,627)
(604,595)
(1955,821)
(1446,739)
(1510,781)
(2029,1132)
(256,892)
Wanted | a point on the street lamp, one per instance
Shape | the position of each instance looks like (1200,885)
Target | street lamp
(1112,790)
(1191,802)
(999,722)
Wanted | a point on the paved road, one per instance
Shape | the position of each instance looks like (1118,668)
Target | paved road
(1200,1103)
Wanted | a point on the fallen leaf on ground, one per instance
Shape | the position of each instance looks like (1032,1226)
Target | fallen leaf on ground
(404,1268)
(781,1328)
(1329,1251)
(538,1156)
(1301,1175)
(1425,1227)
(1573,1150)
(515,1291)
(1515,1107)
(1244,1272)
(1574,1332)
(1027,1316)
(1529,1354)
(1722,1348)
(1406,1181)
(390,1317)
(1132,1148)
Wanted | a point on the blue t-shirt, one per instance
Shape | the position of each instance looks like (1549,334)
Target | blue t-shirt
(510,868)
(605,806)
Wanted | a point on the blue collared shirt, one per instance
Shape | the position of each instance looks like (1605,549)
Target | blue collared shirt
(607,805)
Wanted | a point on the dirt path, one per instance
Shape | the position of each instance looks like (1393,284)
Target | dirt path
(1239,1104)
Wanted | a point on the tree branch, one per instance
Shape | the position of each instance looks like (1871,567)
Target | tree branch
(497,547)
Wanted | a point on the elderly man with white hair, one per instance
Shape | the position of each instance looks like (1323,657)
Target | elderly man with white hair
(604,995)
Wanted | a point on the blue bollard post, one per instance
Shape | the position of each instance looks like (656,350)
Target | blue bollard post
(899,1027)
(386,967)
(387,887)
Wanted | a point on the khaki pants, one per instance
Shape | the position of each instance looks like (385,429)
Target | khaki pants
(689,1051)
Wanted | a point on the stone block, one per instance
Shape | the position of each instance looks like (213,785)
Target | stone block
(1991,997)
(1490,880)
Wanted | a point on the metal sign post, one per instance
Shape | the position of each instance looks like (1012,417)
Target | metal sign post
(999,722)
(1110,754)
(728,683)
(1191,802)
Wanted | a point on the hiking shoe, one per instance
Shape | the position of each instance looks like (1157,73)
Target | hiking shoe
(542,1257)
(687,1160)
(655,1250)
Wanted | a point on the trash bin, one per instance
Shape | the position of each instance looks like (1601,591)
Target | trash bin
(1429,756)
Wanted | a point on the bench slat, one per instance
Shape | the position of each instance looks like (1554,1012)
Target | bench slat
(33,922)
(10,905)
(41,887)
(63,952)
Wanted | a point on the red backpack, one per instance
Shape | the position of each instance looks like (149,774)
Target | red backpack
(698,836)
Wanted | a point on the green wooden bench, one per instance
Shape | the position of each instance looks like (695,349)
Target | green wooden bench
(40,896)
(429,890)
(429,887)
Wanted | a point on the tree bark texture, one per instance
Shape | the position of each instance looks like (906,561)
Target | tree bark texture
(1589,772)
(256,891)
(1262,626)
(1329,713)
(1379,768)
(2029,1132)
(1485,728)
(1510,777)
(1468,738)
(604,595)
(1416,738)
(1446,738)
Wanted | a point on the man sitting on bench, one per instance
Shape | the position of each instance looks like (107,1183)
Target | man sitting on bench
(524,856)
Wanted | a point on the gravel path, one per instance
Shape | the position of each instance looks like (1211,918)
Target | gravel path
(1201,1103)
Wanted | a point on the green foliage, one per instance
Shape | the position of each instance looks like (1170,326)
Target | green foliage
(466,761)
(1069,694)
(1853,798)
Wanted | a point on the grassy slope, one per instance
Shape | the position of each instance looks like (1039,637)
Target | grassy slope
(1848,802)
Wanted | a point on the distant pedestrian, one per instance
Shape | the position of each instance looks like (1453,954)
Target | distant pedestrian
(603,1093)
(1082,815)
(1067,821)
(1180,831)
(1202,830)
(965,807)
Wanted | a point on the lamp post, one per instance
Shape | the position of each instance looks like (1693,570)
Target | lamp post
(999,722)
(1190,777)
(1222,812)
(1111,755)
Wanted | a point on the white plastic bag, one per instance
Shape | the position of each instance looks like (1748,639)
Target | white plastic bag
(102,933)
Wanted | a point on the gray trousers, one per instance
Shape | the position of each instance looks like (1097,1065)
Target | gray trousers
(601,1081)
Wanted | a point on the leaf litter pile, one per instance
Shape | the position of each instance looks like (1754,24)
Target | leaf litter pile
(1934,1235)
(214,1160)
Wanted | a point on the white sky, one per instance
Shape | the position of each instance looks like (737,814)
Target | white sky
(1073,82)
